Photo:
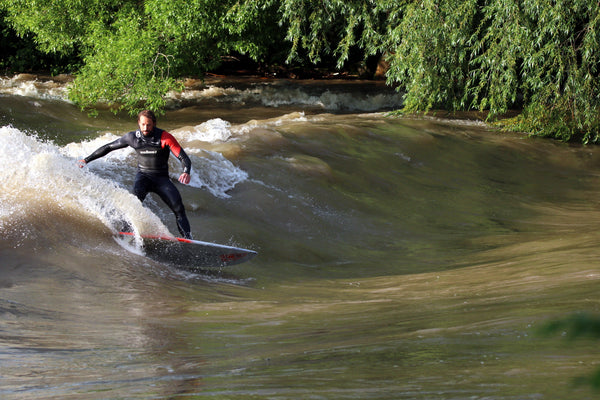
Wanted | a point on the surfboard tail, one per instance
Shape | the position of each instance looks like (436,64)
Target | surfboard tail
(192,254)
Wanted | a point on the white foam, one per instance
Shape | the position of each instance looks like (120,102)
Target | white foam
(273,95)
(211,131)
(268,94)
(210,170)
(210,92)
(28,86)
(39,174)
(215,173)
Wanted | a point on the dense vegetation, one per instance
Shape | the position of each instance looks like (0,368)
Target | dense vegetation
(537,56)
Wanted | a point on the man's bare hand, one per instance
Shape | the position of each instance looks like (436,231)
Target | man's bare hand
(185,178)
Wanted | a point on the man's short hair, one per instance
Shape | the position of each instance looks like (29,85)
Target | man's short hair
(147,114)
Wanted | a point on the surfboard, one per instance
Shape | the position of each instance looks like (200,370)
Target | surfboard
(192,254)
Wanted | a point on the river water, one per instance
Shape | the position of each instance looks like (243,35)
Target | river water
(399,258)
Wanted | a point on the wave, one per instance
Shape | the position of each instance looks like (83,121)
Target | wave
(210,170)
(341,97)
(349,96)
(41,180)
(30,86)
(217,130)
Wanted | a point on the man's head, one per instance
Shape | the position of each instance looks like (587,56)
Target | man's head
(146,122)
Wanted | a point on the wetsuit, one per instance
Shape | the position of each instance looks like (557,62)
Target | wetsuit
(153,168)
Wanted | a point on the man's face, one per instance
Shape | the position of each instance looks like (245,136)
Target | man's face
(146,125)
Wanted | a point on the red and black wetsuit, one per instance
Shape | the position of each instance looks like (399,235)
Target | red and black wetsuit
(153,168)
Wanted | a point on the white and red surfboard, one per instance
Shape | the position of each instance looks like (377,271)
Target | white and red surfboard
(191,254)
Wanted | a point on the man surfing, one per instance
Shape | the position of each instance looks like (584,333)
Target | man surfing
(153,147)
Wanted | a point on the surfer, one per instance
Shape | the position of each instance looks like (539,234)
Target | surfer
(153,147)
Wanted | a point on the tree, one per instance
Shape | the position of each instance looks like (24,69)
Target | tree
(539,56)
(336,27)
(134,51)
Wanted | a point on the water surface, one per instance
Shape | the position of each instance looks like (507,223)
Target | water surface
(398,258)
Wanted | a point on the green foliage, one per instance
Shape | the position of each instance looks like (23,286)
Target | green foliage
(21,54)
(134,51)
(573,327)
(559,69)
(334,27)
(540,56)
(126,69)
(429,53)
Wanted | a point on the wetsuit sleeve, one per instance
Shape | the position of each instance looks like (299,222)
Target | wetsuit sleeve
(107,148)
(168,140)
(185,160)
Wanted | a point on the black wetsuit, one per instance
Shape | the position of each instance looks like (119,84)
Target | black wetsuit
(153,168)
